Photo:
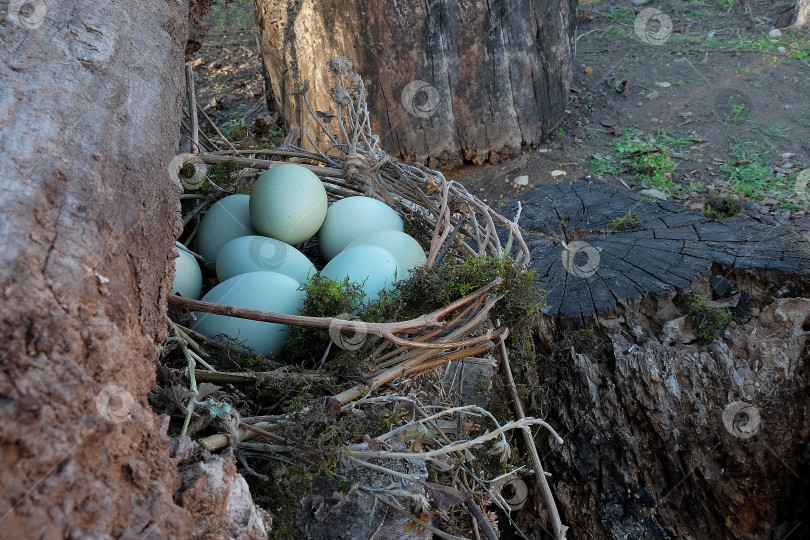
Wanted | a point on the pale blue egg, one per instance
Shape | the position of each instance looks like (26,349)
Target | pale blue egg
(288,203)
(405,249)
(265,291)
(372,267)
(227,219)
(260,253)
(351,217)
(187,276)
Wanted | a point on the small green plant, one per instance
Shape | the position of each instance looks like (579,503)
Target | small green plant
(628,222)
(774,131)
(722,207)
(652,157)
(560,133)
(697,186)
(750,173)
(705,319)
(236,130)
(737,115)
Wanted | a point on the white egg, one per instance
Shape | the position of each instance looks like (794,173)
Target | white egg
(405,249)
(288,203)
(187,276)
(351,217)
(372,267)
(259,253)
(265,291)
(227,219)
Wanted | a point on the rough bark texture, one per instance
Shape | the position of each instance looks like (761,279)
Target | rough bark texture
(688,441)
(88,217)
(795,16)
(447,81)
(666,435)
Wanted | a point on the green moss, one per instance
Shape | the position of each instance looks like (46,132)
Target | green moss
(722,207)
(706,320)
(187,171)
(224,172)
(630,221)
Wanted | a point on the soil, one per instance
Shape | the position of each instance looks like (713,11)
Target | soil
(707,66)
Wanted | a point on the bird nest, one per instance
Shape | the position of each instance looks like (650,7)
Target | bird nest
(452,222)
(478,252)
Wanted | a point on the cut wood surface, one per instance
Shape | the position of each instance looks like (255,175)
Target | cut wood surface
(587,267)
(448,81)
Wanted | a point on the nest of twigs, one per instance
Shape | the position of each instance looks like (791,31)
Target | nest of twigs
(456,225)
(458,221)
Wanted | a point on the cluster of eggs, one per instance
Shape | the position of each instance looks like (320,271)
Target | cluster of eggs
(248,239)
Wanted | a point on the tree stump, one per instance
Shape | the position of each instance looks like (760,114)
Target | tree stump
(88,217)
(667,435)
(447,81)
(589,267)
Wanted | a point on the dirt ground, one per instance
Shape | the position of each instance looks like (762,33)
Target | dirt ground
(701,85)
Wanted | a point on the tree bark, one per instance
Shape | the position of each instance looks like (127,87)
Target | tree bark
(447,81)
(88,217)
(801,13)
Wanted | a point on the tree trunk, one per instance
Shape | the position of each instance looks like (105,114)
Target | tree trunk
(801,13)
(667,434)
(794,16)
(447,81)
(88,217)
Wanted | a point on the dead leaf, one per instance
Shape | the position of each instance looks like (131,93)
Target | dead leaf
(444,498)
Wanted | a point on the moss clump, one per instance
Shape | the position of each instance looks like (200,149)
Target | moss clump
(324,298)
(630,221)
(424,291)
(706,320)
(428,289)
(224,172)
(187,171)
(722,207)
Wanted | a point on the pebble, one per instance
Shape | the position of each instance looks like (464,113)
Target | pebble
(522,180)
(654,193)
(781,50)
(775,33)
(557,173)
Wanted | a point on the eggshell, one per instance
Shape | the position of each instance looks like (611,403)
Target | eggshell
(405,249)
(227,219)
(288,203)
(370,266)
(259,253)
(265,291)
(187,276)
(351,217)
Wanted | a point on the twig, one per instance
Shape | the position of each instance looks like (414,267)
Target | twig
(225,377)
(192,109)
(525,422)
(539,474)
(213,125)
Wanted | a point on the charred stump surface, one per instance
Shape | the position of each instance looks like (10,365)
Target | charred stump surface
(588,267)
(669,437)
